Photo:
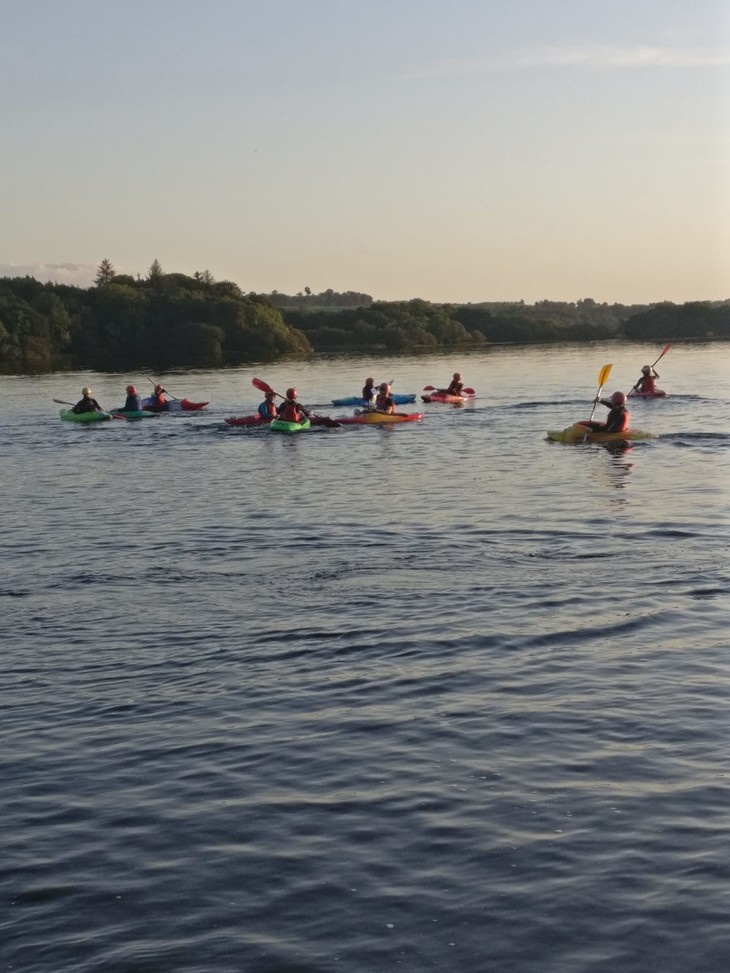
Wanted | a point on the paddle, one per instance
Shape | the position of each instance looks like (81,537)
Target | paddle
(72,404)
(262,386)
(602,379)
(163,388)
(665,349)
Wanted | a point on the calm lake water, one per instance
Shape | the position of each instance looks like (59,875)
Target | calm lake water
(444,696)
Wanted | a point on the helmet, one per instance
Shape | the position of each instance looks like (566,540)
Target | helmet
(159,388)
(384,387)
(370,381)
(457,376)
(646,369)
(86,391)
(131,390)
(618,398)
(291,393)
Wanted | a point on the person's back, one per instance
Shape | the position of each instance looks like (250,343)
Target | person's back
(647,381)
(133,403)
(86,403)
(617,419)
(618,415)
(456,385)
(368,391)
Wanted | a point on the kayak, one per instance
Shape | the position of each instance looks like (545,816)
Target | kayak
(380,418)
(281,425)
(134,413)
(445,397)
(70,416)
(401,399)
(578,433)
(255,420)
(656,394)
(174,405)
(258,420)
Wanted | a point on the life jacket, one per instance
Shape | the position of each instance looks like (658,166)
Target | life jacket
(384,403)
(86,405)
(455,388)
(647,383)
(268,410)
(133,403)
(618,419)
(289,411)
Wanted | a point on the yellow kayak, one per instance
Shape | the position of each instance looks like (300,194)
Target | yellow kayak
(578,433)
(380,418)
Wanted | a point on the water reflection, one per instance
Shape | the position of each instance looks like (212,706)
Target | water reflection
(620,466)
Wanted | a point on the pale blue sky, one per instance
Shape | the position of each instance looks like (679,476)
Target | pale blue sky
(456,151)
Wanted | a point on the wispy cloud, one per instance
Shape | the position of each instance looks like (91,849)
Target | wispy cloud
(81,275)
(584,56)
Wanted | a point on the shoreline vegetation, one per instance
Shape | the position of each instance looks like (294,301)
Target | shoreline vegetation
(172,320)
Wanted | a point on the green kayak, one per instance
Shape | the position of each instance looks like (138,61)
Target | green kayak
(281,425)
(70,416)
(135,414)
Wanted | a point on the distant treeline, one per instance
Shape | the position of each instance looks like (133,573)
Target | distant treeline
(166,320)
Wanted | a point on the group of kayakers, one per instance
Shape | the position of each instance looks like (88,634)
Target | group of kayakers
(378,399)
(132,403)
(290,409)
(618,416)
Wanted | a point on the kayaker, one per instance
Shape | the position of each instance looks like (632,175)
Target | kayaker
(618,417)
(647,382)
(268,408)
(368,391)
(158,400)
(133,403)
(86,403)
(383,400)
(456,385)
(290,410)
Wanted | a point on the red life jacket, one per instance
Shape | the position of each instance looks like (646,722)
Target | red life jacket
(618,419)
(384,403)
(647,384)
(289,411)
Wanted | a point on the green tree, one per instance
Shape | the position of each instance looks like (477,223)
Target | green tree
(105,273)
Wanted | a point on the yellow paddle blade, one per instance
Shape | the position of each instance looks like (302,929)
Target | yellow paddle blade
(604,373)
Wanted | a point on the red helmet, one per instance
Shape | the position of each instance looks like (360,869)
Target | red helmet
(618,398)
(131,390)
(384,387)
(159,388)
(291,393)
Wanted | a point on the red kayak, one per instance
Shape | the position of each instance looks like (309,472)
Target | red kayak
(256,420)
(440,396)
(656,394)
(174,405)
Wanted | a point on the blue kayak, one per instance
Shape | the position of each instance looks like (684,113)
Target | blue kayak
(356,400)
